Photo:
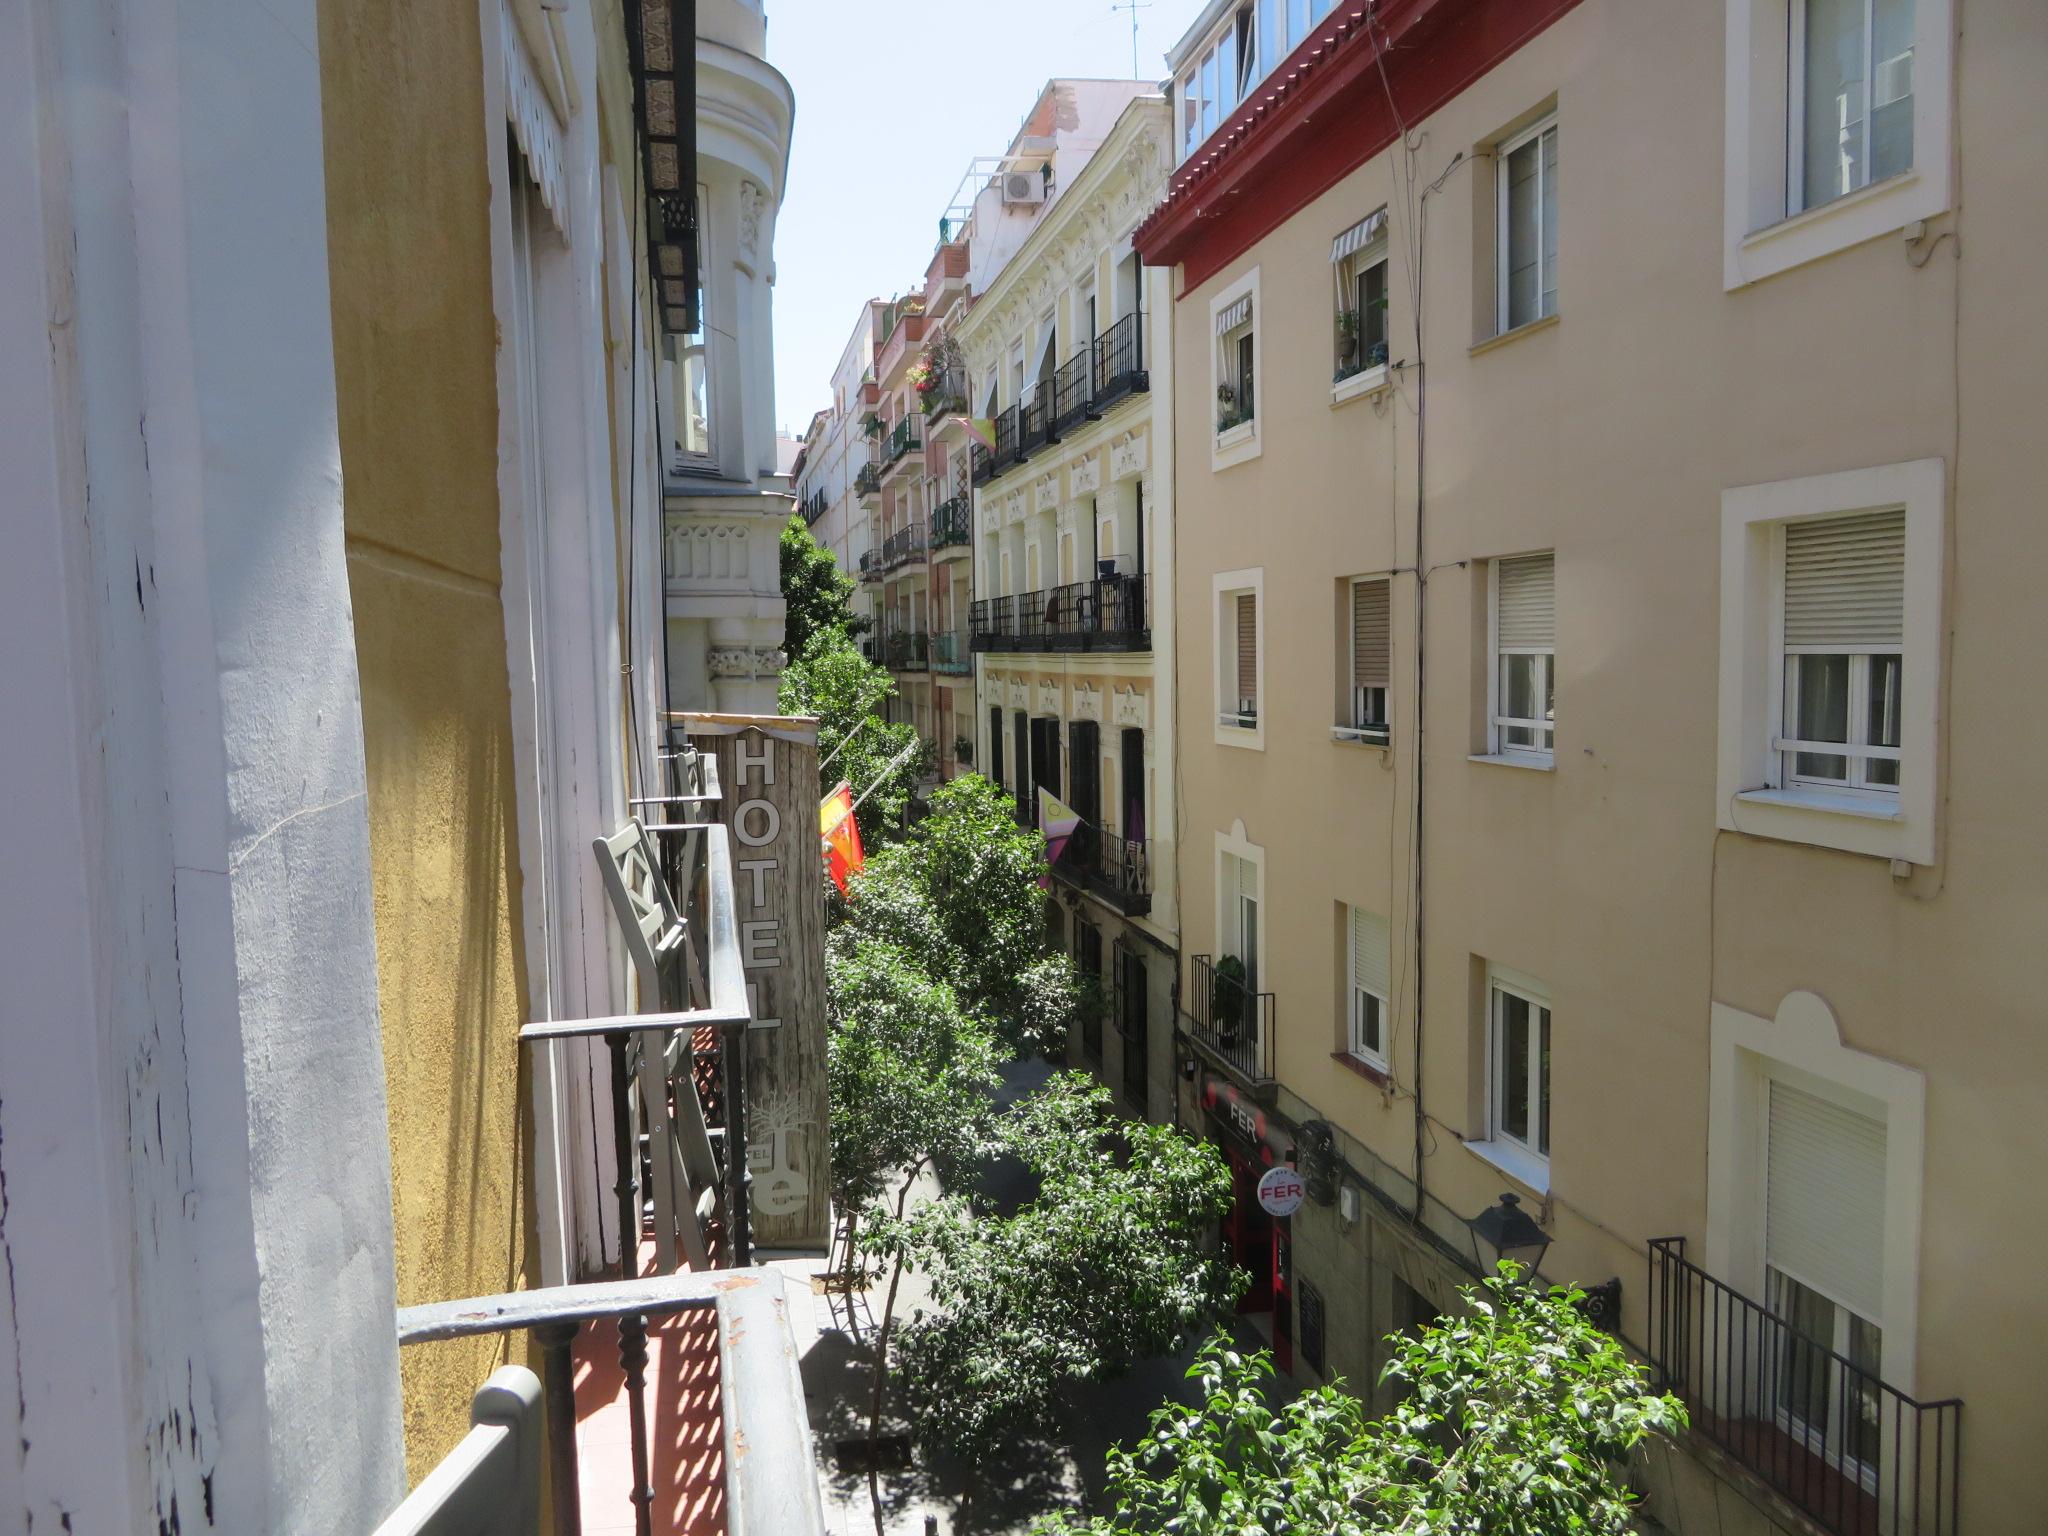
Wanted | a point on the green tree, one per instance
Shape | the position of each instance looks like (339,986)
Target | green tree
(848,694)
(1518,1420)
(1108,1264)
(818,595)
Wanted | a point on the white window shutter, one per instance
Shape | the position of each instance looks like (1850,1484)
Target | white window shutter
(1369,952)
(1824,1218)
(1528,609)
(1370,658)
(1845,582)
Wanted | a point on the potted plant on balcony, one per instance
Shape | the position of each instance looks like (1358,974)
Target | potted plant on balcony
(871,424)
(1227,994)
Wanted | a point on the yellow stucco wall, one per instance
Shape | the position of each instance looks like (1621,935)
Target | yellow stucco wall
(408,210)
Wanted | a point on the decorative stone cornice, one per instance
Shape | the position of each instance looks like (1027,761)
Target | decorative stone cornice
(745,661)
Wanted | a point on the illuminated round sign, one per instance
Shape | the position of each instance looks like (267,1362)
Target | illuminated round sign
(1281,1191)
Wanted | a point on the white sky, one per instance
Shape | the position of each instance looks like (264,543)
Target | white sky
(892,100)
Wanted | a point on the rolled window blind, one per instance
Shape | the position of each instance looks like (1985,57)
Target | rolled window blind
(1248,645)
(1845,581)
(1369,963)
(1824,1225)
(1228,320)
(1528,611)
(1370,661)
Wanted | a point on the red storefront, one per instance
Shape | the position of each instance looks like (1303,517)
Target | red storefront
(1255,1140)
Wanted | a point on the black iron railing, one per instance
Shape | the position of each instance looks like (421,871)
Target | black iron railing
(1034,421)
(1006,450)
(990,622)
(867,480)
(1072,391)
(947,391)
(1120,361)
(1116,868)
(952,523)
(907,436)
(1854,1453)
(906,650)
(981,464)
(906,544)
(1110,613)
(1232,1023)
(871,568)
(951,652)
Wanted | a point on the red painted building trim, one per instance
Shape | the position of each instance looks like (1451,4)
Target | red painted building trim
(1325,112)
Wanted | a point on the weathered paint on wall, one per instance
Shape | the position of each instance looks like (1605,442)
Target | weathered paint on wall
(409,241)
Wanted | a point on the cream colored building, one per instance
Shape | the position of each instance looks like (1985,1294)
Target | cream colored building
(1606,555)
(1073,554)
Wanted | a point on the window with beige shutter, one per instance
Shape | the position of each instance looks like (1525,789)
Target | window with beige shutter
(1370,646)
(1366,1022)
(1525,644)
(1844,628)
(1247,657)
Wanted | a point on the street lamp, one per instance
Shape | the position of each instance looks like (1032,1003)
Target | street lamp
(1507,1229)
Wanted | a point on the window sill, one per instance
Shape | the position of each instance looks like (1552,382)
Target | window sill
(1239,443)
(1366,381)
(1525,1168)
(1364,1068)
(1251,738)
(1527,328)
(1538,763)
(1352,736)
(1868,213)
(1869,807)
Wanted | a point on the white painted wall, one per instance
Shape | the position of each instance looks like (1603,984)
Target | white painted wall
(197,1201)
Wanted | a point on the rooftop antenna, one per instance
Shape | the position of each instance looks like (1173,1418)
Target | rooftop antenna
(1133,6)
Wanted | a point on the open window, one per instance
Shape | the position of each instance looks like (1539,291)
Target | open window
(1358,268)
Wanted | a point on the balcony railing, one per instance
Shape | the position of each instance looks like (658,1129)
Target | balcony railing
(1110,613)
(868,480)
(1117,869)
(907,436)
(946,392)
(906,544)
(981,464)
(1006,450)
(1073,394)
(1851,1451)
(1120,361)
(952,523)
(906,650)
(1232,1023)
(871,568)
(951,652)
(1034,421)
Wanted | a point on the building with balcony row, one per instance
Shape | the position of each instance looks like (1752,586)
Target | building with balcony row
(1072,537)
(1600,559)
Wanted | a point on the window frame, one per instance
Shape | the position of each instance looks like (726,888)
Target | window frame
(1225,588)
(1752,790)
(1354,1045)
(1760,237)
(1347,274)
(1856,751)
(1498,723)
(1382,734)
(1528,1160)
(1503,321)
(1240,441)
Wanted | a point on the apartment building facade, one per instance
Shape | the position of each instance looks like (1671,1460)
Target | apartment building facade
(828,481)
(1597,544)
(1073,557)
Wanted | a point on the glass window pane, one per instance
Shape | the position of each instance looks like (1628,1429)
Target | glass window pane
(1226,70)
(1297,21)
(1543,1082)
(1372,313)
(1513,1066)
(1832,142)
(1524,236)
(1209,95)
(1272,41)
(1891,88)
(1804,1370)
(1190,114)
(1518,687)
(1820,698)
(1881,728)
(1244,375)
(1548,298)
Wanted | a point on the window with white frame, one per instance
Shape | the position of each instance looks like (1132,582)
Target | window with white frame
(1837,129)
(1368,637)
(1518,1088)
(1831,659)
(1366,1003)
(1358,265)
(1844,622)
(1236,361)
(1238,687)
(1851,80)
(1526,174)
(1524,648)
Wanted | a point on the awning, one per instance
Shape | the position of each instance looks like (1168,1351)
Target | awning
(1368,229)
(1231,318)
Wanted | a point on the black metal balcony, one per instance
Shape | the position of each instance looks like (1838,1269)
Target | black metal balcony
(1034,421)
(1073,395)
(981,464)
(951,652)
(946,391)
(906,650)
(1120,361)
(905,545)
(1107,614)
(1855,1454)
(868,480)
(907,436)
(1117,869)
(952,523)
(1006,451)
(1232,1024)
(871,565)
(992,623)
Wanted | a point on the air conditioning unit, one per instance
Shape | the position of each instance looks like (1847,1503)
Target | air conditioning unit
(1023,188)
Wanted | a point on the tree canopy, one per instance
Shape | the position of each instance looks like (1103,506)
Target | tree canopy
(818,595)
(1517,1420)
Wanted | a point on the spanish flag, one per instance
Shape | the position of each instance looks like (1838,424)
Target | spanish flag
(840,834)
